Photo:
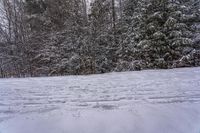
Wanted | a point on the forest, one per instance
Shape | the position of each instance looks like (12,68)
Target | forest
(77,37)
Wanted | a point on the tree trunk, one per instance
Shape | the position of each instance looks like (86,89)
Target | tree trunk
(113,16)
(85,10)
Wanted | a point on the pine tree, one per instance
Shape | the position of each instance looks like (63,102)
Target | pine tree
(58,37)
(102,39)
(192,57)
(59,27)
(164,33)
(127,31)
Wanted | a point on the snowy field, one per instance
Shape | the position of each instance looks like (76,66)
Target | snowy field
(160,101)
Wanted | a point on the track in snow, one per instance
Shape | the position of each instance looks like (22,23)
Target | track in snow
(108,92)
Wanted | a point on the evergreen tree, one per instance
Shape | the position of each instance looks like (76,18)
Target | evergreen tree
(57,29)
(164,33)
(102,38)
(58,37)
(127,31)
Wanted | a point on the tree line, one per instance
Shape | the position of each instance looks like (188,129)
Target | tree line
(72,37)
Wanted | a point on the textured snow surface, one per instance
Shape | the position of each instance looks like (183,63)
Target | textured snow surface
(160,101)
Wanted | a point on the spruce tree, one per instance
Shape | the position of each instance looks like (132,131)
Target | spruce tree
(56,35)
(102,38)
(164,33)
(128,34)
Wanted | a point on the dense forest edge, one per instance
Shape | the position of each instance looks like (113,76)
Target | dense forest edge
(74,37)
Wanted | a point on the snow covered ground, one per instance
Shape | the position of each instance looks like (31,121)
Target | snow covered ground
(160,101)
